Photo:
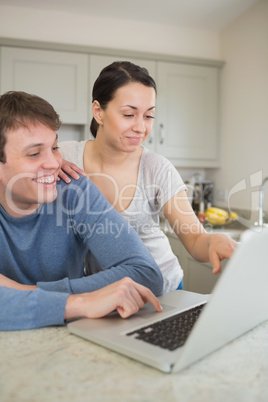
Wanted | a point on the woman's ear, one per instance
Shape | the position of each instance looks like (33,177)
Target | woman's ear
(97,112)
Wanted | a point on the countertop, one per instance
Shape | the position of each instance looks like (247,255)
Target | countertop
(235,229)
(52,365)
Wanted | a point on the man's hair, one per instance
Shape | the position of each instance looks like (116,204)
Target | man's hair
(21,109)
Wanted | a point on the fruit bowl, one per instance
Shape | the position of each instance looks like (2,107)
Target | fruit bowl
(219,217)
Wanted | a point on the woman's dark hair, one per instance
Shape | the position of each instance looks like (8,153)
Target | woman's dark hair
(113,77)
(20,109)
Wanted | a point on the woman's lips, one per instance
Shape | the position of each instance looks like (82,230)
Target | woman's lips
(135,140)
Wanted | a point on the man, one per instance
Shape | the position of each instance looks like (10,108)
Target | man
(47,228)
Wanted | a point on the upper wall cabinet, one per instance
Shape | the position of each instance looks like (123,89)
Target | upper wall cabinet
(187,114)
(186,120)
(59,77)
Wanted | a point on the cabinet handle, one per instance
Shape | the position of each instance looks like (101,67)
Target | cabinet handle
(162,134)
(151,137)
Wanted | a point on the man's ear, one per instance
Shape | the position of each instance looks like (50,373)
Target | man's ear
(97,112)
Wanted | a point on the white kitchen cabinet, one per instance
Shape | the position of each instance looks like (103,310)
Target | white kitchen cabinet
(187,114)
(179,252)
(59,77)
(198,277)
(186,120)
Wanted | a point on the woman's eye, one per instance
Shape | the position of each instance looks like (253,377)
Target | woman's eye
(55,148)
(149,117)
(128,115)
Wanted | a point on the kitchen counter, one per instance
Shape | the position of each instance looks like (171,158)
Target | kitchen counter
(235,230)
(52,365)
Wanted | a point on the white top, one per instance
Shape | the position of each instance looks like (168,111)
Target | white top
(158,181)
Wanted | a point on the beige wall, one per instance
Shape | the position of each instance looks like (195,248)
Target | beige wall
(63,27)
(244,111)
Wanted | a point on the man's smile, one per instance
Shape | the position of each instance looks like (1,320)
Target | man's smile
(45,179)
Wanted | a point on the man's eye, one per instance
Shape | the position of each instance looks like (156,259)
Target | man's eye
(33,155)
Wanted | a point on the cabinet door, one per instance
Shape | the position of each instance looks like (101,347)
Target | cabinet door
(200,276)
(180,253)
(98,62)
(58,77)
(187,114)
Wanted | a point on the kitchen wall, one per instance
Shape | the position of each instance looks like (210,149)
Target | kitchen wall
(244,110)
(244,104)
(53,26)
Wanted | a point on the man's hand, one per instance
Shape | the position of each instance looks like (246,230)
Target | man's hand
(9,283)
(125,296)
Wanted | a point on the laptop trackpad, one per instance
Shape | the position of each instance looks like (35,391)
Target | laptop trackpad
(148,310)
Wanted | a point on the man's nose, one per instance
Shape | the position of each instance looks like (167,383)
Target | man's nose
(52,161)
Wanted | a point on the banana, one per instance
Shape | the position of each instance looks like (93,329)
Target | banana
(218,216)
(217,211)
(233,216)
(215,219)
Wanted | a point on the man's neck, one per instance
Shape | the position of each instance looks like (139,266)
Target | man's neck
(18,211)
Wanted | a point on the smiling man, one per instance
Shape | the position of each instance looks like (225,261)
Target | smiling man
(28,176)
(42,279)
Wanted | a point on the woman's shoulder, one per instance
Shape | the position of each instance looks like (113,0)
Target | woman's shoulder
(72,145)
(157,168)
(73,151)
(152,160)
(160,176)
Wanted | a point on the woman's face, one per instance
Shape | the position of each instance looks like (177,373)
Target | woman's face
(128,119)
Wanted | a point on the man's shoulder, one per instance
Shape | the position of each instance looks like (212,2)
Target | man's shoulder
(83,187)
(83,181)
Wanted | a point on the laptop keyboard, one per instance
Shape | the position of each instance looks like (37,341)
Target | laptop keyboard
(172,332)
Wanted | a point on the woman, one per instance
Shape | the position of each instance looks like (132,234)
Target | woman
(140,184)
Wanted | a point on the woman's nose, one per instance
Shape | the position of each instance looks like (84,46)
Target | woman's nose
(139,125)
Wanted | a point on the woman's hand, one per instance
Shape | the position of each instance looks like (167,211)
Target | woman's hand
(220,247)
(202,246)
(71,169)
(9,283)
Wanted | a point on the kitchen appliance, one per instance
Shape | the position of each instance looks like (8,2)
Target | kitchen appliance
(201,192)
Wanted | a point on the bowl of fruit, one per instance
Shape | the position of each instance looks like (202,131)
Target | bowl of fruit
(219,217)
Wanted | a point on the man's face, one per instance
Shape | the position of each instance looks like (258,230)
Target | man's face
(28,178)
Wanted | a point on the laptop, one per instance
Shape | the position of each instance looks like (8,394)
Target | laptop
(238,303)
